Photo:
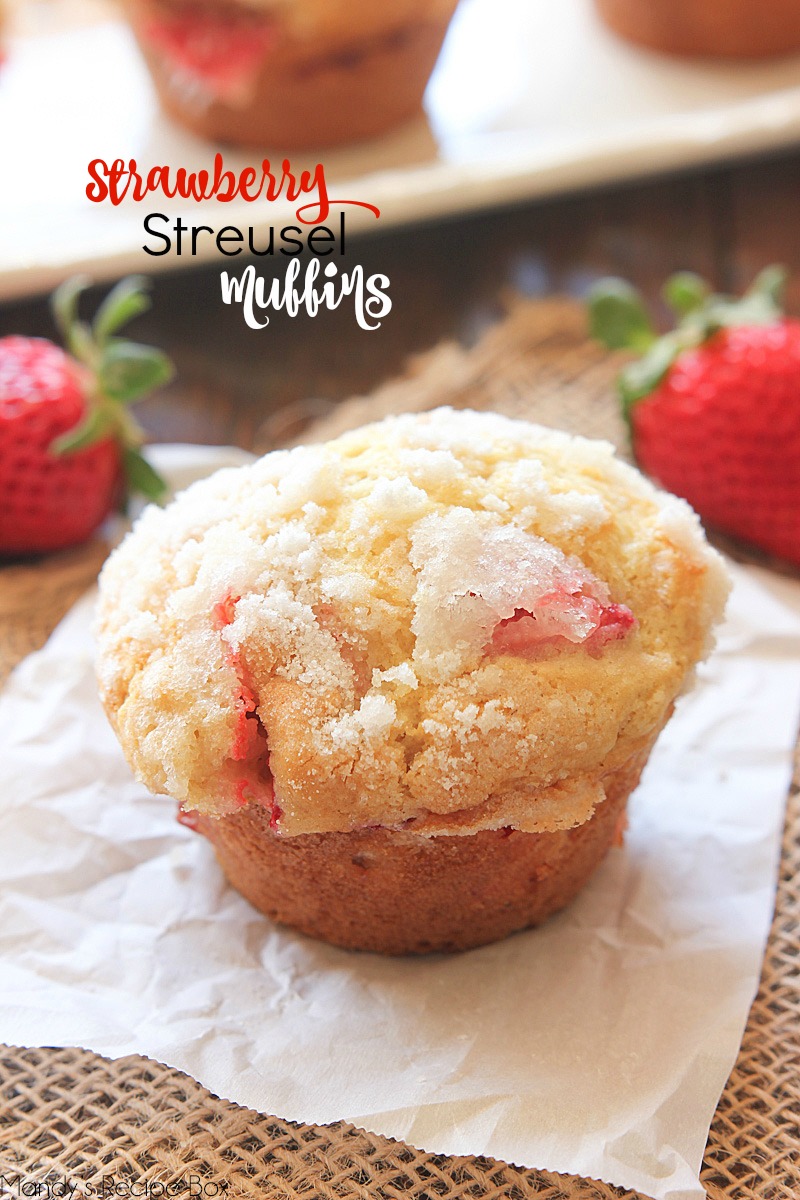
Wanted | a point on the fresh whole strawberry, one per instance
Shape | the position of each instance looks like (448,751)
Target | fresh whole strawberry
(69,448)
(714,406)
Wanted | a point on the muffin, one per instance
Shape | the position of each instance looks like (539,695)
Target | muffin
(290,73)
(711,28)
(406,681)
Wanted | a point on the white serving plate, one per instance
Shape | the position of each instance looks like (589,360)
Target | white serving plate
(530,97)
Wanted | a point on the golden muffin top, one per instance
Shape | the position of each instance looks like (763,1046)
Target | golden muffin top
(446,622)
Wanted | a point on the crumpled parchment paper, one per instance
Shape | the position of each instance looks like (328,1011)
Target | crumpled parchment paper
(598,1044)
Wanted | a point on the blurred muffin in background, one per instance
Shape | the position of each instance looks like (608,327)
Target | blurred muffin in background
(290,73)
(712,28)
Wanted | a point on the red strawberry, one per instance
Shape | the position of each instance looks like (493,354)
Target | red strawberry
(68,447)
(714,406)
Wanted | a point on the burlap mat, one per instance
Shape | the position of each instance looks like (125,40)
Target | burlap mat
(69,1115)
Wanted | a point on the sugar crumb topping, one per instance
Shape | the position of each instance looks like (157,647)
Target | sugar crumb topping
(437,619)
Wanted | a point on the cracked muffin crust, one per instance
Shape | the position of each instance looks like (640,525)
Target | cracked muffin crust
(441,625)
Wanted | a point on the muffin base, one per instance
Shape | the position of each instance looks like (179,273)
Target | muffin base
(706,28)
(395,892)
(310,95)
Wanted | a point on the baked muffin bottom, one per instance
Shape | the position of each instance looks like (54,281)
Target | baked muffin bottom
(309,93)
(711,28)
(395,892)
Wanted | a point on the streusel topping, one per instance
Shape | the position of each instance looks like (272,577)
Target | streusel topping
(449,622)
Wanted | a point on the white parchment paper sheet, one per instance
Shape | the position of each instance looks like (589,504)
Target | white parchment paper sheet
(598,1044)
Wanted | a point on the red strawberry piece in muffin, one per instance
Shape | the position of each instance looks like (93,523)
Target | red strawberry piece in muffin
(217,49)
(290,74)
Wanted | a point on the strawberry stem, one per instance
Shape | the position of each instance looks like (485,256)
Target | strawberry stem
(685,293)
(120,372)
(64,303)
(128,299)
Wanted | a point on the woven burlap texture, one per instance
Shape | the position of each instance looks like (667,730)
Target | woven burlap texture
(69,1115)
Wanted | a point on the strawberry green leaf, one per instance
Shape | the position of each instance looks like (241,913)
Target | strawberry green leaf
(142,477)
(118,373)
(685,292)
(64,304)
(640,378)
(94,426)
(761,304)
(617,316)
(124,302)
(80,344)
(771,282)
(723,312)
(128,371)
